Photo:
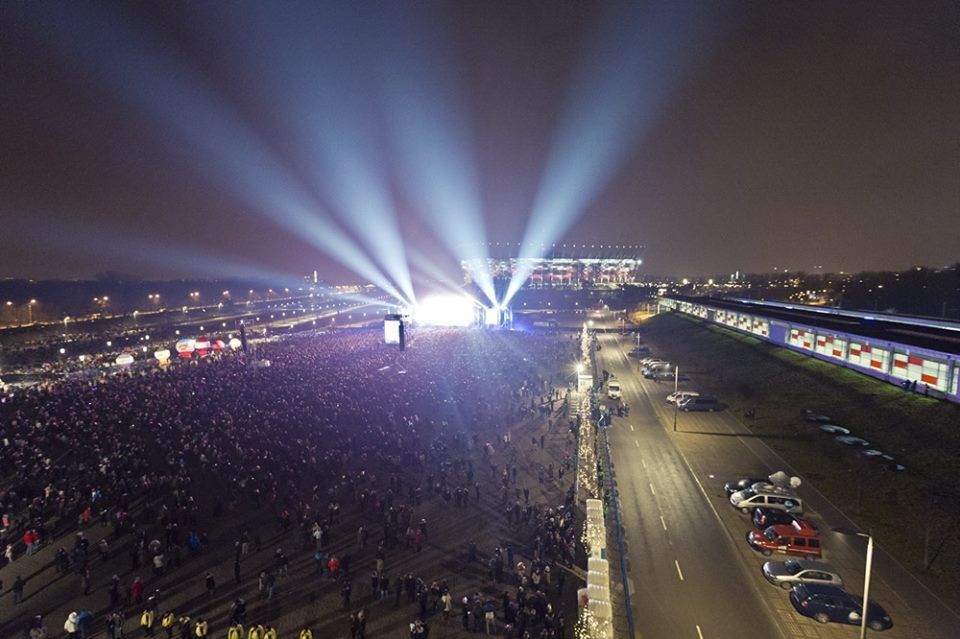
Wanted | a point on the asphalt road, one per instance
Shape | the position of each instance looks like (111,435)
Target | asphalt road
(686,578)
(679,476)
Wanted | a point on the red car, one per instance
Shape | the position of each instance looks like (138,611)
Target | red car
(798,538)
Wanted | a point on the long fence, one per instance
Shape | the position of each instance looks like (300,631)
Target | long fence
(594,623)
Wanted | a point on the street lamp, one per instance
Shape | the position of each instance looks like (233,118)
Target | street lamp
(865,607)
(30,311)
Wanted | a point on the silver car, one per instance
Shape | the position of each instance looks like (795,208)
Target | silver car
(791,572)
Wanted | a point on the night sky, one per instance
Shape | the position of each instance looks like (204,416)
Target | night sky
(167,139)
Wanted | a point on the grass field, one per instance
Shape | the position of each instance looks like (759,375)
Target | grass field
(922,433)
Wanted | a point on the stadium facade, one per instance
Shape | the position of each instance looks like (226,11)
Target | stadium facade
(567,265)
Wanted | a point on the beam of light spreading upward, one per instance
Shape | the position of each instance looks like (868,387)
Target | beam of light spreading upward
(637,57)
(75,234)
(139,72)
(304,80)
(429,133)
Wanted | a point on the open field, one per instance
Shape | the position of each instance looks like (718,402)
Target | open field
(913,514)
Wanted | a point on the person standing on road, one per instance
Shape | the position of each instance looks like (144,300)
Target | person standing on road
(146,622)
(166,622)
(71,627)
(18,585)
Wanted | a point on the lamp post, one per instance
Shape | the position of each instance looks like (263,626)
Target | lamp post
(30,311)
(865,608)
(866,586)
(676,404)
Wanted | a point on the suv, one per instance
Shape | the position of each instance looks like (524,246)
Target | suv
(767,496)
(798,538)
(700,402)
(830,603)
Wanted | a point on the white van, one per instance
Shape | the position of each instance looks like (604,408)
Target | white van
(613,389)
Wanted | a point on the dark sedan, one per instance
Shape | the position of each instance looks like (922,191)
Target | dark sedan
(832,603)
(765,517)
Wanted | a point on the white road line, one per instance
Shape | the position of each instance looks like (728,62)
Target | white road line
(699,634)
(643,462)
(663,523)
(637,443)
(631,428)
(652,490)
(677,564)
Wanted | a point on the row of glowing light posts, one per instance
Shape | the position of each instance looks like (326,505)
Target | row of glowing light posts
(596,612)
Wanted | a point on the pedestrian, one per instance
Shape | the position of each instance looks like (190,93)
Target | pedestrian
(306,633)
(136,590)
(71,627)
(211,584)
(236,571)
(18,585)
(85,581)
(447,599)
(184,624)
(201,629)
(345,595)
(146,621)
(166,622)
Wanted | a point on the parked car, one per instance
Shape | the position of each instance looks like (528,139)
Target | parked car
(796,539)
(639,351)
(764,517)
(831,603)
(767,496)
(791,572)
(742,484)
(700,403)
(682,395)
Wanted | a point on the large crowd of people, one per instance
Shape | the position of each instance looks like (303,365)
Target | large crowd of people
(190,500)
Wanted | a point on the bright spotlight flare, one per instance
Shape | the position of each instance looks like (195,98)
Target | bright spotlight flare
(633,63)
(446,310)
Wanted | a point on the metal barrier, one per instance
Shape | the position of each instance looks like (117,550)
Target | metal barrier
(615,506)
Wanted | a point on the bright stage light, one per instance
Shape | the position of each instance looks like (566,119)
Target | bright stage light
(446,310)
(491,316)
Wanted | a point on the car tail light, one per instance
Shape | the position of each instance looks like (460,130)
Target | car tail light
(805,603)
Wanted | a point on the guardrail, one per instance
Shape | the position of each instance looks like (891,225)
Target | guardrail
(615,507)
